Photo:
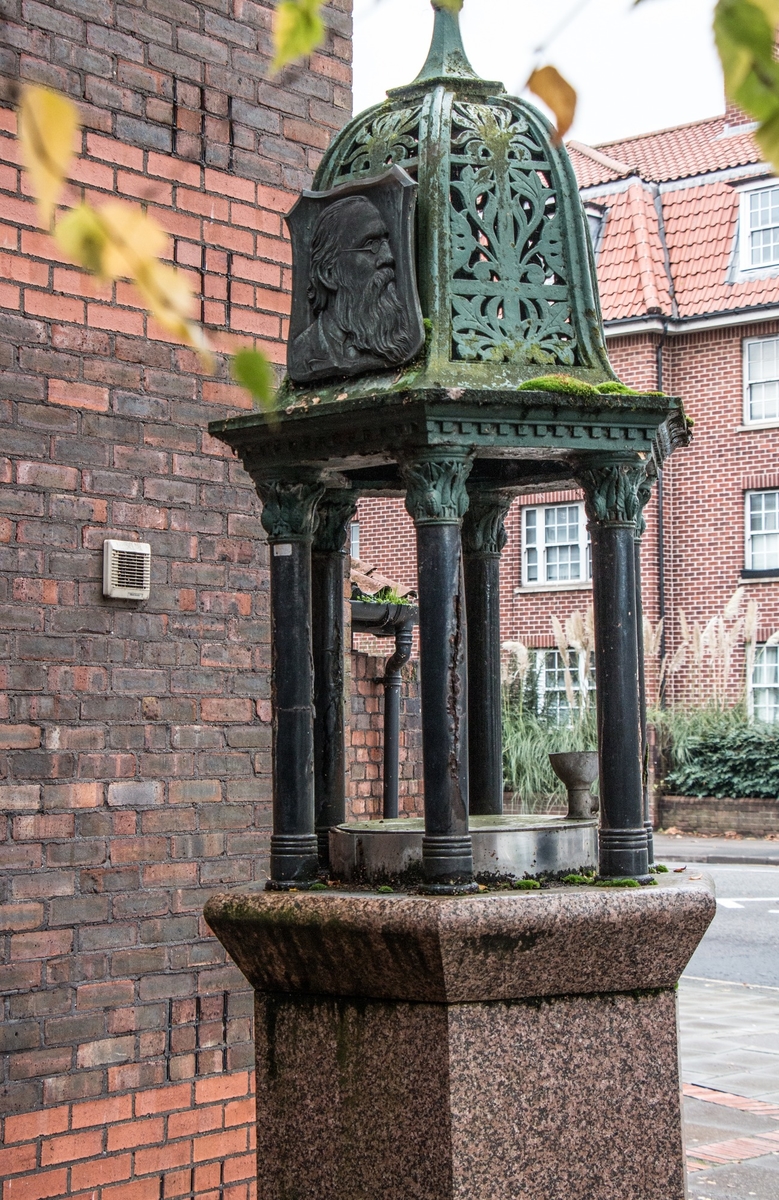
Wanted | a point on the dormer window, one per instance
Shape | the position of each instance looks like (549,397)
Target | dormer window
(596,218)
(760,228)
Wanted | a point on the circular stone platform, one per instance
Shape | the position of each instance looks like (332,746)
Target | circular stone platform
(504,847)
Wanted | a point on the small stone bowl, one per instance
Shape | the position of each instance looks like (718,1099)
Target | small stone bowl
(577,769)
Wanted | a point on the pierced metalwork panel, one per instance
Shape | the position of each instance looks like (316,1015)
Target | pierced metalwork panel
(369,147)
(509,293)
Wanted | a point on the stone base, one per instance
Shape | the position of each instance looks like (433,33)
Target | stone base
(503,1046)
(504,848)
(571,1097)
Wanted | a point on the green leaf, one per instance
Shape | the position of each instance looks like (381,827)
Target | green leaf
(744,31)
(297,30)
(253,370)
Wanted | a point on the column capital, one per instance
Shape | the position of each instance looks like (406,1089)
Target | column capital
(435,485)
(611,490)
(644,492)
(333,516)
(289,506)
(483,528)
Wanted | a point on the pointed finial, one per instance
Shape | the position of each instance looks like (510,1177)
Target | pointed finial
(446,58)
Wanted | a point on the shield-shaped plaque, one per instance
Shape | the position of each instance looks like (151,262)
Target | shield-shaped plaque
(355,306)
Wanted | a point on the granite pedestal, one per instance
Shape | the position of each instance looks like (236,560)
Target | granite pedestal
(503,1046)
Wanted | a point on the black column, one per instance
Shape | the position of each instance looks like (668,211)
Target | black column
(644,492)
(334,513)
(483,540)
(436,499)
(288,515)
(611,497)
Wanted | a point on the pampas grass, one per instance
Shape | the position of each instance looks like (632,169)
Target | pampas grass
(529,737)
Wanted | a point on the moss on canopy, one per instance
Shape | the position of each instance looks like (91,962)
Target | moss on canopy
(576,387)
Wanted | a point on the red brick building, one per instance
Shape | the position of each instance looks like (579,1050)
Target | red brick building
(134,736)
(685,224)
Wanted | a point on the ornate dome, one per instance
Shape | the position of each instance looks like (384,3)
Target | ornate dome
(504,261)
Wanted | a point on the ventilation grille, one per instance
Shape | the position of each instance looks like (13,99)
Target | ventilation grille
(126,570)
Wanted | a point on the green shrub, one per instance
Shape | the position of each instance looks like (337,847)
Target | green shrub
(743,762)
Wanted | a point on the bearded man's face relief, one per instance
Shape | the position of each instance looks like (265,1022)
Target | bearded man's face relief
(359,322)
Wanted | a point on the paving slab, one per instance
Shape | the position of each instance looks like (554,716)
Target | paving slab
(729,1033)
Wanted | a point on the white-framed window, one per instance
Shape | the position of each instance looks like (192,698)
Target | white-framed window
(759,227)
(555,545)
(761,552)
(761,380)
(764,684)
(555,692)
(354,539)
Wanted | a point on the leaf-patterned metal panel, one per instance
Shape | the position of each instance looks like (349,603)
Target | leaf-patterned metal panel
(371,144)
(510,297)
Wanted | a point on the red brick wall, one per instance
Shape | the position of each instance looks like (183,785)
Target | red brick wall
(365,752)
(134,765)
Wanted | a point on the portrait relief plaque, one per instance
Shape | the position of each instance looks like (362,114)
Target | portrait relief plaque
(355,306)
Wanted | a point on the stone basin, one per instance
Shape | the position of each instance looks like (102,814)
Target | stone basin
(505,847)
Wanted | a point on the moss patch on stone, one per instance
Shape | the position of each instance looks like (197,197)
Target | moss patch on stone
(559,383)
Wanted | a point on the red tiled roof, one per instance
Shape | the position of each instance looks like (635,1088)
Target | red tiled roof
(702,146)
(670,251)
(631,269)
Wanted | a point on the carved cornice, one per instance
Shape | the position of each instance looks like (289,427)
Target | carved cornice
(483,528)
(333,517)
(435,488)
(611,491)
(289,508)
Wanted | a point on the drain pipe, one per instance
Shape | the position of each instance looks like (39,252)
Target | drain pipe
(661,520)
(393,681)
(398,621)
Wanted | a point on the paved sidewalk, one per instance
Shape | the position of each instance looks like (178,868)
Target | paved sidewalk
(686,847)
(729,1036)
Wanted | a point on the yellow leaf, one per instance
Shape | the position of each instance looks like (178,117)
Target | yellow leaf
(82,236)
(134,239)
(48,123)
(168,297)
(452,5)
(297,30)
(557,94)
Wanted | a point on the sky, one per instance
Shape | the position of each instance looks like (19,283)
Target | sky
(635,68)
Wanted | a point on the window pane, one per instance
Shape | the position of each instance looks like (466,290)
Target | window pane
(531,564)
(763,537)
(762,366)
(530,527)
(555,700)
(561,524)
(763,401)
(765,683)
(763,360)
(764,511)
(562,562)
(764,227)
(354,539)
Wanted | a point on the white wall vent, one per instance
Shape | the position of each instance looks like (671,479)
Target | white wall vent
(126,570)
